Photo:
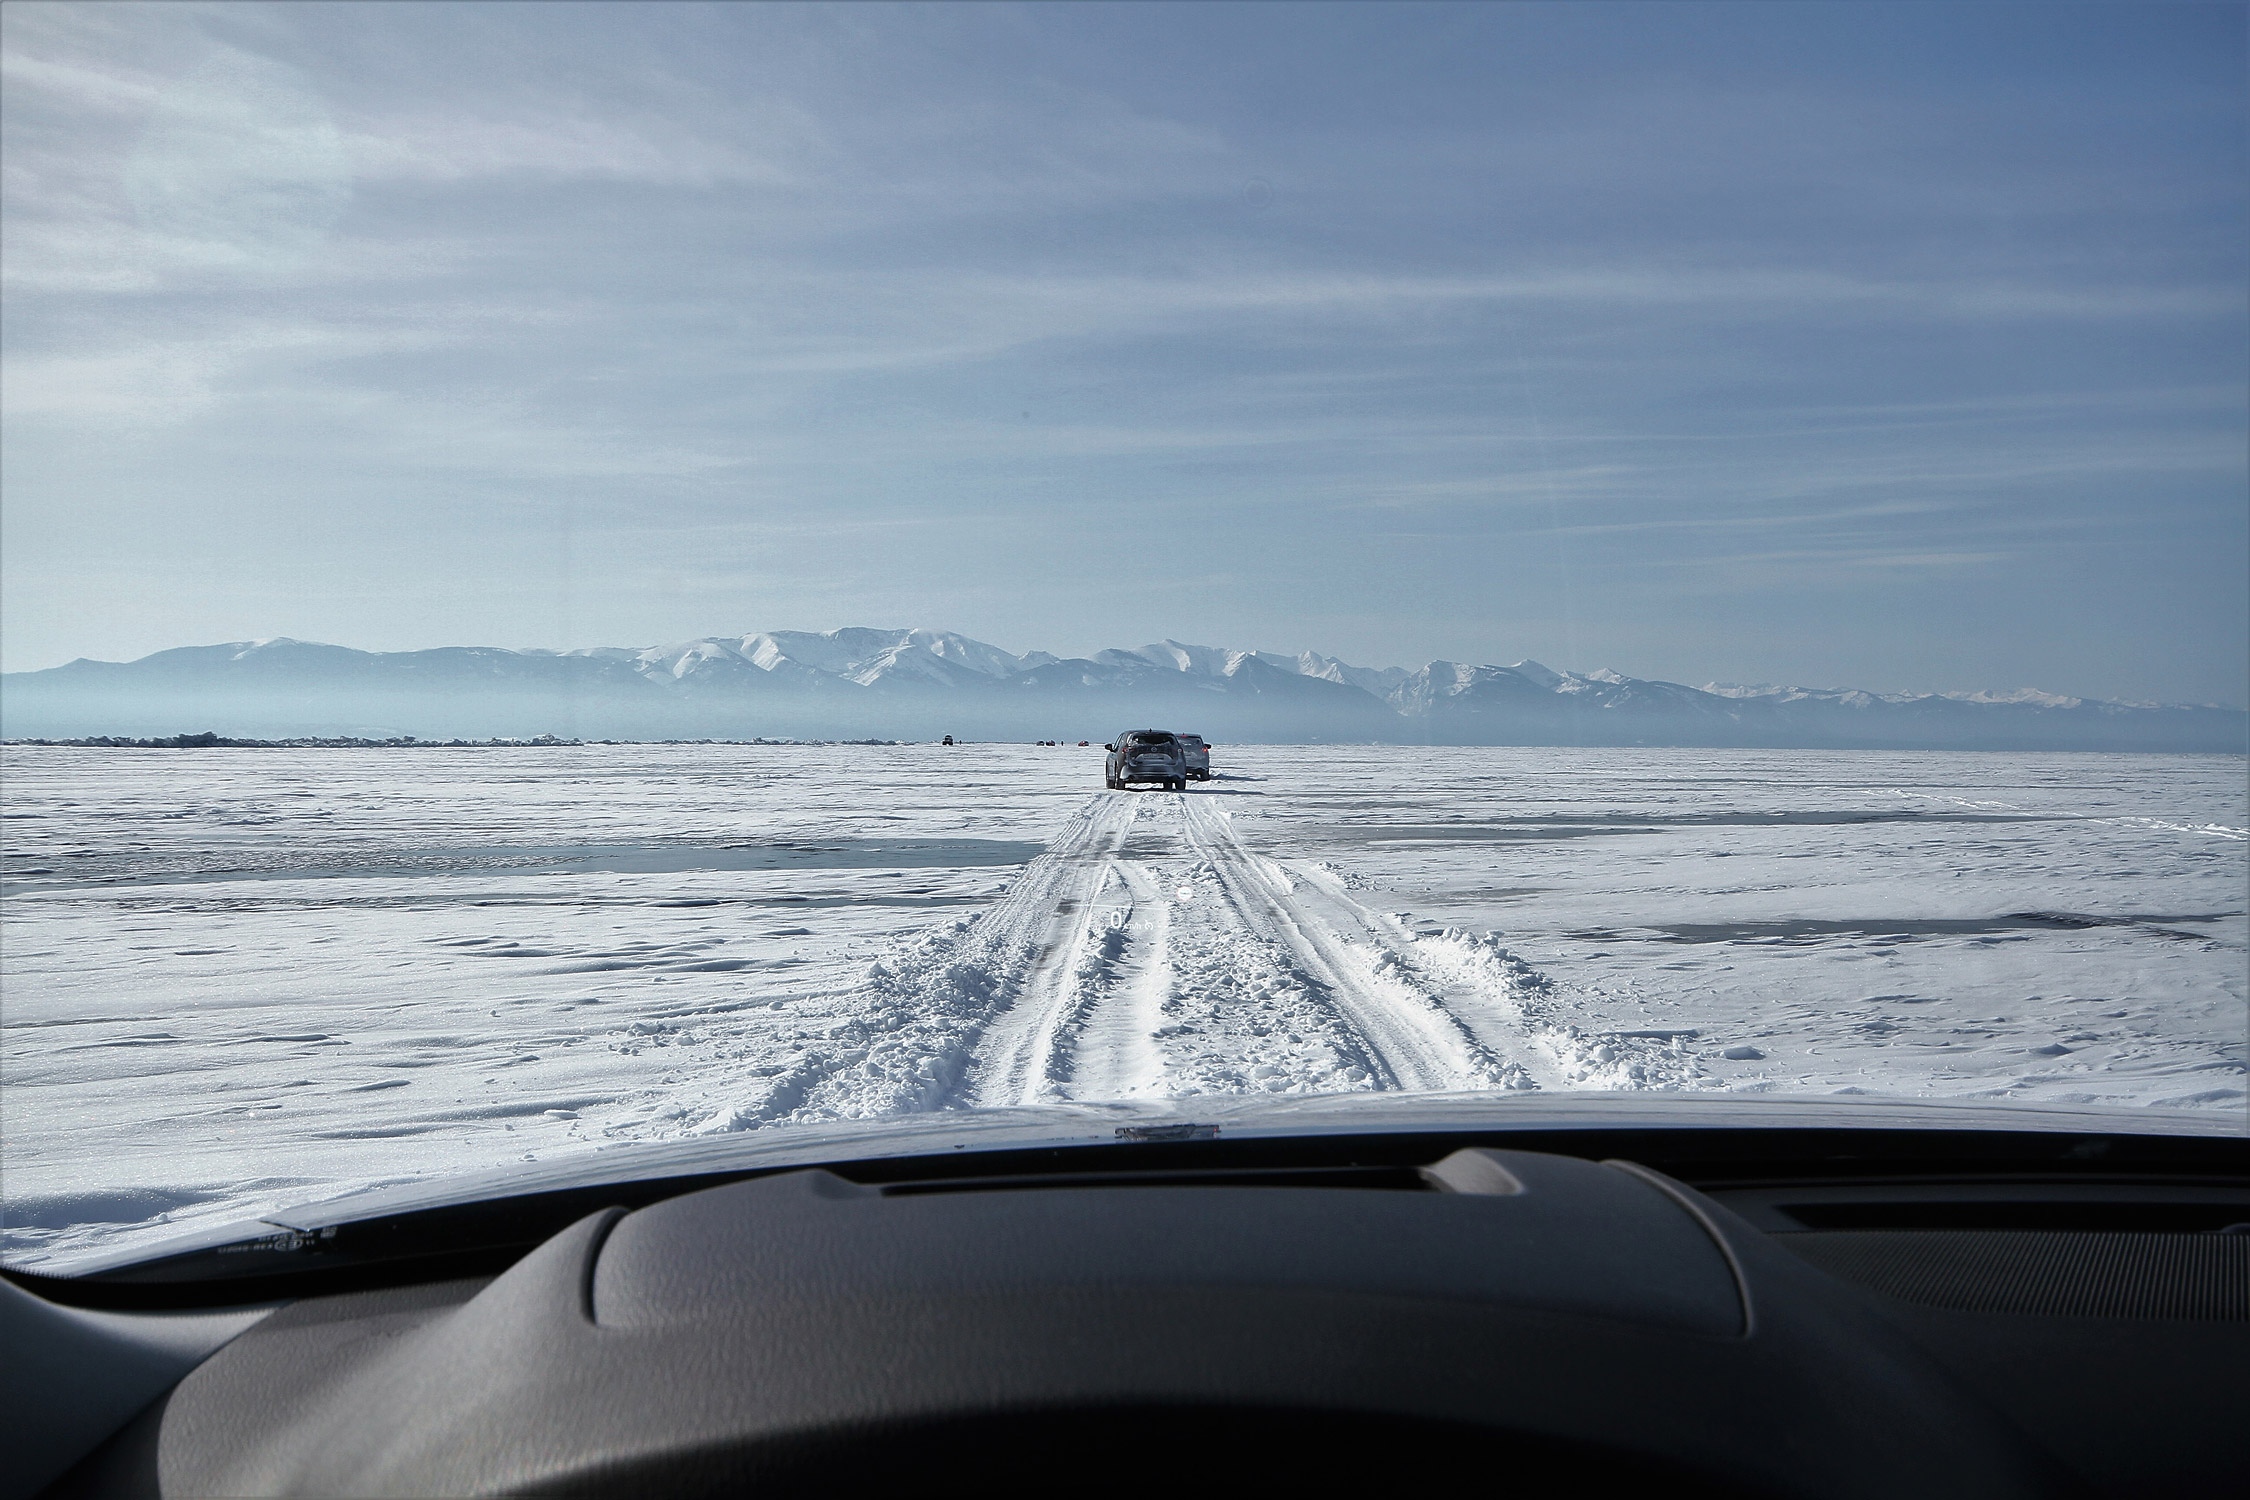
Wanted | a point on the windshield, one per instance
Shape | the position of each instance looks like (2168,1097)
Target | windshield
(565,566)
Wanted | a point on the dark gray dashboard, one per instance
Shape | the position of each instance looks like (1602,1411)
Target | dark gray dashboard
(1542,1316)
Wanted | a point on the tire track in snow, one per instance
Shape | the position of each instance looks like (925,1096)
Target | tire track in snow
(1414,1039)
(993,987)
(1018,1060)
(1123,984)
(1519,1011)
(1151,953)
(1208,968)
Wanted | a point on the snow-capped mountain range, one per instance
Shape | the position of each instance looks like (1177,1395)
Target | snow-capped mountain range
(917,683)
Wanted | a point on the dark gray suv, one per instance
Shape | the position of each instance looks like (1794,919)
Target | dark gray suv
(1147,755)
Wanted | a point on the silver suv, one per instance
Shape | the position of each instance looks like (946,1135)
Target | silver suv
(1147,755)
(1198,756)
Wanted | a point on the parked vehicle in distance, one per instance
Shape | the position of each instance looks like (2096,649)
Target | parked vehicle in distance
(1197,755)
(1146,755)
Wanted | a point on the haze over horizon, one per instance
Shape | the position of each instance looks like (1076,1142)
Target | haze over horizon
(1035,653)
(1900,348)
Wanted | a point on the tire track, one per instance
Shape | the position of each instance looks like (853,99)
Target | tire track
(1151,953)
(1017,1061)
(1193,964)
(1415,1041)
(1113,1052)
(958,1014)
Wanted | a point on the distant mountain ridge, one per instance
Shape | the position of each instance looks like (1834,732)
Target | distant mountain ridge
(920,683)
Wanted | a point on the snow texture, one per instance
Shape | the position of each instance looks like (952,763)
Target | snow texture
(241,979)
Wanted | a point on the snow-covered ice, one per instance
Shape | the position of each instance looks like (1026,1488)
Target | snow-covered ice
(236,980)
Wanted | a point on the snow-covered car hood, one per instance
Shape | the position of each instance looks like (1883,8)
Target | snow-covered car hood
(1128,1122)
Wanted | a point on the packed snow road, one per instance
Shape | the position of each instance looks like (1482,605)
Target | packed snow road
(1151,952)
(1171,957)
(239,979)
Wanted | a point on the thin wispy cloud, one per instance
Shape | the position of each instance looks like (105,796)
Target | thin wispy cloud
(1484,336)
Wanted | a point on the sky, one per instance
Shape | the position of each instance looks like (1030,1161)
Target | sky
(1899,347)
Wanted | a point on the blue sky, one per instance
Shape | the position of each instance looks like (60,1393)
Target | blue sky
(1893,346)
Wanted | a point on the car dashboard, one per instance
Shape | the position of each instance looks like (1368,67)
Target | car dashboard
(1744,1312)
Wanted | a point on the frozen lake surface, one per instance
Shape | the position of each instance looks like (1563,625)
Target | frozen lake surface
(240,979)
